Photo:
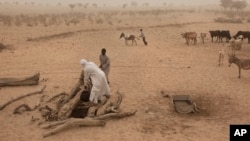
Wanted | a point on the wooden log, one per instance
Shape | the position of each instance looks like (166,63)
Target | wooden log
(74,122)
(111,106)
(76,88)
(67,108)
(52,124)
(45,100)
(21,97)
(73,99)
(25,107)
(94,109)
(81,78)
(115,115)
(32,80)
(62,94)
(73,92)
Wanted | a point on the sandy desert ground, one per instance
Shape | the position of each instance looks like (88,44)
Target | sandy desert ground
(139,72)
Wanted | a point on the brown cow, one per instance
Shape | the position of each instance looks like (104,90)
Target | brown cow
(189,36)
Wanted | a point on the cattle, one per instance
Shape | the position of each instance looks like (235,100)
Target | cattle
(215,33)
(241,63)
(190,36)
(224,34)
(245,34)
(203,36)
(236,44)
(219,35)
(221,56)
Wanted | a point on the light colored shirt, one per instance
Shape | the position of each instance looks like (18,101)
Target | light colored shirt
(142,34)
(105,64)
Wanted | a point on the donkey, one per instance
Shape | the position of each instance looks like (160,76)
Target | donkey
(241,63)
(129,37)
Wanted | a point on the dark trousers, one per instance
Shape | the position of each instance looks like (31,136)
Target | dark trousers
(144,41)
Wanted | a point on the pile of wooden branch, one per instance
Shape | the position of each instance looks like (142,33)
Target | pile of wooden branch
(58,112)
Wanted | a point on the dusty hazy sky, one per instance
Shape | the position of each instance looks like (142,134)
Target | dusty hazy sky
(120,2)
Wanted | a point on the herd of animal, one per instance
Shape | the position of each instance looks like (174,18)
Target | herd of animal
(235,41)
(219,35)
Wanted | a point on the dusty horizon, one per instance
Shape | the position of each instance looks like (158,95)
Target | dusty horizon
(120,2)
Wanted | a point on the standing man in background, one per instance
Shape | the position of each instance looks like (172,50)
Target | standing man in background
(143,37)
(105,63)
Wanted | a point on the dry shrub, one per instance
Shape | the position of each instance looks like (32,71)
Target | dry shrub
(5,47)
(41,19)
(74,21)
(124,13)
(6,20)
(131,13)
(91,17)
(29,24)
(142,13)
(2,46)
(99,21)
(53,36)
(226,20)
(110,23)
(18,21)
(114,13)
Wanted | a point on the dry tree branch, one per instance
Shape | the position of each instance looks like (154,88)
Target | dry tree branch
(25,106)
(21,97)
(115,115)
(74,122)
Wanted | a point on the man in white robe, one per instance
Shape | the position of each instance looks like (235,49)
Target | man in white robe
(105,63)
(100,86)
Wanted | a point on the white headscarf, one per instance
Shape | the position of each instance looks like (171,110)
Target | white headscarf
(83,62)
